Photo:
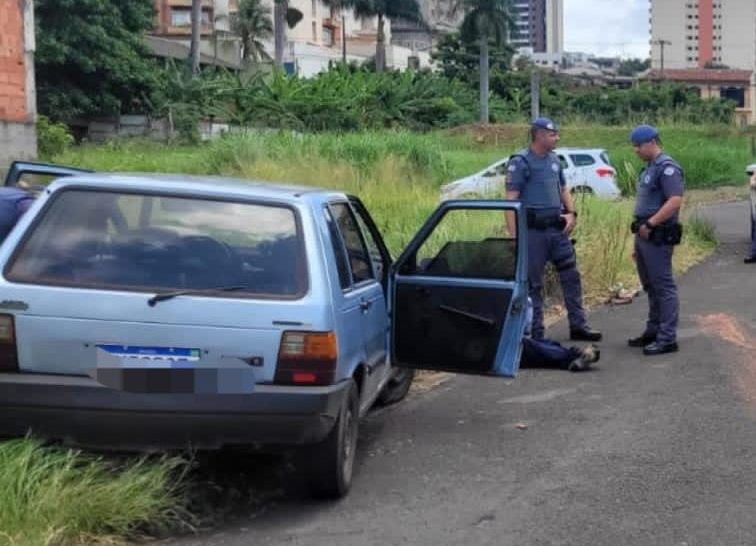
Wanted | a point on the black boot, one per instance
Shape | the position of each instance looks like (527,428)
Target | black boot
(586,333)
(642,340)
(660,348)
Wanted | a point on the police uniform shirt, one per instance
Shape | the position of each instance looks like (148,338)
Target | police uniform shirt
(539,180)
(12,201)
(661,179)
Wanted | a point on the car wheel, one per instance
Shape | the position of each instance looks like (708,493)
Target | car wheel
(330,464)
(397,387)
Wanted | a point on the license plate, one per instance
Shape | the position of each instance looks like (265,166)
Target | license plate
(139,356)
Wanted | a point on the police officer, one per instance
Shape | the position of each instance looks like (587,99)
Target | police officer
(535,177)
(656,228)
(751,259)
(14,202)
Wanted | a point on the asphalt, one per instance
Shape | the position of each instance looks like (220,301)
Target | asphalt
(641,451)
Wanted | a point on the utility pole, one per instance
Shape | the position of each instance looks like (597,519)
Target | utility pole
(194,50)
(661,42)
(535,93)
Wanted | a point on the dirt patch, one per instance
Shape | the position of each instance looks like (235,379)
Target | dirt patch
(728,329)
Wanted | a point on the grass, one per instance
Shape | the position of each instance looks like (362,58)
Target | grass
(57,497)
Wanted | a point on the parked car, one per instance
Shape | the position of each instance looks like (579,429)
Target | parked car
(586,170)
(160,311)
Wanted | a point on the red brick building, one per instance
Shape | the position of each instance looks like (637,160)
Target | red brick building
(18,110)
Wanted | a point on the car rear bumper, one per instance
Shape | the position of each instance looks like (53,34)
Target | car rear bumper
(80,411)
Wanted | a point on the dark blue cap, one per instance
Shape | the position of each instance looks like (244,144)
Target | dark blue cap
(643,133)
(545,123)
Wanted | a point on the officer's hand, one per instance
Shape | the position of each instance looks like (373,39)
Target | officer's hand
(644,232)
(569,223)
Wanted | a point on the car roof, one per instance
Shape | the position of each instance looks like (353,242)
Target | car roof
(195,184)
(577,149)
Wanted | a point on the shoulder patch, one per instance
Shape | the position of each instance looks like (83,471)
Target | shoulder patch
(555,167)
(669,171)
(512,167)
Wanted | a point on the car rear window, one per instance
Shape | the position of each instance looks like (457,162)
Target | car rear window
(145,242)
(605,158)
(582,160)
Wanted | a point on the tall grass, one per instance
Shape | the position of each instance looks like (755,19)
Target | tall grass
(51,496)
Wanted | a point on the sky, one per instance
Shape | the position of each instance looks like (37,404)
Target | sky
(607,27)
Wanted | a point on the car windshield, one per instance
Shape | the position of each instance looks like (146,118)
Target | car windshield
(153,243)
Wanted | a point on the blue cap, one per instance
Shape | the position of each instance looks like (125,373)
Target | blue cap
(643,133)
(545,123)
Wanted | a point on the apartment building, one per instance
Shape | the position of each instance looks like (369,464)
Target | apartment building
(18,99)
(539,25)
(703,33)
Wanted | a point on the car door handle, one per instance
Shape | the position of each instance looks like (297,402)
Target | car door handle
(365,305)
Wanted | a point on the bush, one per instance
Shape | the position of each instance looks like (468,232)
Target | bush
(52,138)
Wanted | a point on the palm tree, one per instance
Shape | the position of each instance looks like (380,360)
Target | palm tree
(487,22)
(253,24)
(283,16)
(383,9)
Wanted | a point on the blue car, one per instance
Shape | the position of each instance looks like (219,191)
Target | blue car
(162,311)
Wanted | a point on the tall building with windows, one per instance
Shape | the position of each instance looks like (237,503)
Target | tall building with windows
(539,25)
(703,33)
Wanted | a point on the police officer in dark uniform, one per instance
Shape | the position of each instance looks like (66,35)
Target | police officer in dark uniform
(751,258)
(535,177)
(14,202)
(657,230)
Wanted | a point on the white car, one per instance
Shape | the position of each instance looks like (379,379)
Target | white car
(586,170)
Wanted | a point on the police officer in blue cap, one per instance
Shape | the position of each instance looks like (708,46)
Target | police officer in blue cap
(535,177)
(657,230)
(14,202)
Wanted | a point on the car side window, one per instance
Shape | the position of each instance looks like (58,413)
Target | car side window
(357,252)
(582,160)
(342,266)
(375,253)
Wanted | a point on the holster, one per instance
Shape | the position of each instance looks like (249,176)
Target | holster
(540,221)
(665,234)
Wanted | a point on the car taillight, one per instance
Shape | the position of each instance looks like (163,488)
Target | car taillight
(8,353)
(605,171)
(307,358)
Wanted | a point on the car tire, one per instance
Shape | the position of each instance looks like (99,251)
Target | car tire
(397,388)
(329,465)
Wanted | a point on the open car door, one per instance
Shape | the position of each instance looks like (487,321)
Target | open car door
(34,176)
(459,291)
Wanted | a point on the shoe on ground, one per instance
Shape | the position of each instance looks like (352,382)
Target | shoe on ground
(656,348)
(588,356)
(586,333)
(642,340)
(750,260)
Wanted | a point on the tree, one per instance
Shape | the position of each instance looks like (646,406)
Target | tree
(489,22)
(91,58)
(631,67)
(253,24)
(194,48)
(283,16)
(386,9)
(460,60)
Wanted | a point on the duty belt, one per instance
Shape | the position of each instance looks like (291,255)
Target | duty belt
(664,234)
(544,221)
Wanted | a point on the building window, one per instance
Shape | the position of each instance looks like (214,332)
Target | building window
(182,17)
(327,36)
(735,94)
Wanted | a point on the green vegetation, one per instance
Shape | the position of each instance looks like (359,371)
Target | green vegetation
(56,497)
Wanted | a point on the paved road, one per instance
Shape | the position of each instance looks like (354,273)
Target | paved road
(639,452)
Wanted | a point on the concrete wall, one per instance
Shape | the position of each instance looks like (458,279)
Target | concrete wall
(18,111)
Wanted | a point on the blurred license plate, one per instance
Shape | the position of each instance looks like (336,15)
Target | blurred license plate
(129,355)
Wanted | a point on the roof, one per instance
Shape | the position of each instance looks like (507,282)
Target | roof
(217,186)
(703,75)
(174,49)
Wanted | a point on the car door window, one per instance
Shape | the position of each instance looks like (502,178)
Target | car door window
(376,258)
(339,251)
(582,160)
(357,251)
(563,162)
(467,244)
